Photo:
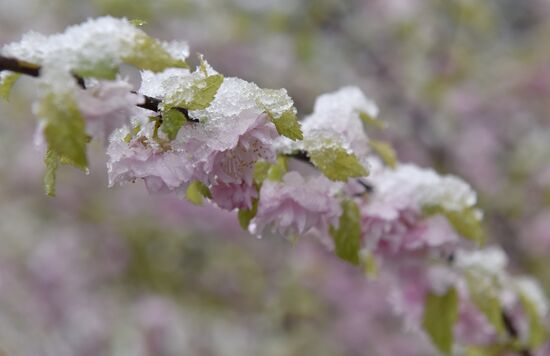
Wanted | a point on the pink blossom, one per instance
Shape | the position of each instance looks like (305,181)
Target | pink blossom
(393,221)
(472,327)
(107,105)
(221,150)
(409,233)
(236,164)
(140,158)
(414,280)
(297,204)
(231,196)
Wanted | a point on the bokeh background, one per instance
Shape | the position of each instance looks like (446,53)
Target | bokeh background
(463,84)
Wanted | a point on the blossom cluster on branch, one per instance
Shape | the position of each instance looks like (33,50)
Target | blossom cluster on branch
(242,147)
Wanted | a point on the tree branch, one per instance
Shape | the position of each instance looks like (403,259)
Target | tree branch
(513,332)
(151,103)
(33,70)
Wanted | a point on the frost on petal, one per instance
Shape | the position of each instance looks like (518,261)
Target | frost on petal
(297,205)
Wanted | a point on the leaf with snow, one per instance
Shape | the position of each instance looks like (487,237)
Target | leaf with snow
(172,121)
(370,120)
(65,129)
(484,297)
(280,108)
(287,125)
(336,163)
(197,96)
(466,222)
(147,53)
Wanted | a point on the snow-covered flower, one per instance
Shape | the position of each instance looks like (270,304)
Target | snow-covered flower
(220,150)
(336,115)
(409,187)
(141,157)
(336,120)
(297,204)
(393,218)
(95,46)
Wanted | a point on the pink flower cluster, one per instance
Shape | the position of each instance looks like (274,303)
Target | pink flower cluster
(393,220)
(220,151)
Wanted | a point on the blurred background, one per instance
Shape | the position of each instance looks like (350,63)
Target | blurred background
(463,84)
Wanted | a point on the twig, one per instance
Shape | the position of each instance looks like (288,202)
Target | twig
(513,332)
(33,70)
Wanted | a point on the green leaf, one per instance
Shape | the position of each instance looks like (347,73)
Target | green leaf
(138,22)
(261,169)
(280,108)
(246,215)
(287,125)
(336,163)
(440,314)
(196,192)
(97,70)
(8,80)
(538,334)
(202,91)
(368,262)
(203,66)
(148,53)
(65,129)
(385,151)
(51,160)
(172,121)
(371,121)
(485,299)
(277,171)
(490,350)
(273,171)
(347,237)
(465,222)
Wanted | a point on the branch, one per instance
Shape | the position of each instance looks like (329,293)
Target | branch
(513,332)
(33,70)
